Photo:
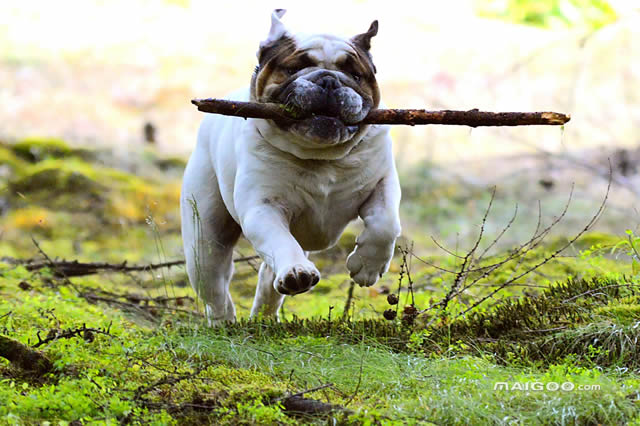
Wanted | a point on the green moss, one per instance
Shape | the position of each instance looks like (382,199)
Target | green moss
(14,164)
(621,313)
(171,163)
(237,372)
(97,378)
(51,183)
(594,240)
(76,185)
(38,149)
(34,150)
(41,199)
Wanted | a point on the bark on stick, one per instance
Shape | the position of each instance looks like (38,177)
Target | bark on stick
(411,117)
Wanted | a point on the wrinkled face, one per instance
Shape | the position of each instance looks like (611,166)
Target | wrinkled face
(329,80)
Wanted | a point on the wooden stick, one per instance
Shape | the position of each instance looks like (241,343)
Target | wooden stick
(411,117)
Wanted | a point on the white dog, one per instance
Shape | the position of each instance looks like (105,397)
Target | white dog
(291,189)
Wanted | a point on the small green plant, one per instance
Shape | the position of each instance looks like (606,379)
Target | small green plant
(631,247)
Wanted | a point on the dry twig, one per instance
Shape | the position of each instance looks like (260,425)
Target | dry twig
(84,332)
(411,117)
(470,264)
(66,268)
(347,304)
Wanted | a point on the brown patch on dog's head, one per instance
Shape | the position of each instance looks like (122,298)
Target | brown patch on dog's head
(269,71)
(360,66)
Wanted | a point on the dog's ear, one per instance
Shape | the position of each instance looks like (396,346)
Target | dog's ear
(277,28)
(364,40)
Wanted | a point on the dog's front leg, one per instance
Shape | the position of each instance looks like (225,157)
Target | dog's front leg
(374,246)
(267,228)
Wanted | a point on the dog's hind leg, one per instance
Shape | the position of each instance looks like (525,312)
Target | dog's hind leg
(209,234)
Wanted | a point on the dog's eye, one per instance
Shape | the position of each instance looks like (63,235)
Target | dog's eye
(356,76)
(291,70)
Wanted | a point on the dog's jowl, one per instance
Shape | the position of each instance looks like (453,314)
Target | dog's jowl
(292,189)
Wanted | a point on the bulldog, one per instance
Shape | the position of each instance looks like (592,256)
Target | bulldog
(292,189)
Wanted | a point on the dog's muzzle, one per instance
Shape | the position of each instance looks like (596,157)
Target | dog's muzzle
(333,106)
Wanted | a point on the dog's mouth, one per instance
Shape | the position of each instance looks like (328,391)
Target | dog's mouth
(327,106)
(331,120)
(322,129)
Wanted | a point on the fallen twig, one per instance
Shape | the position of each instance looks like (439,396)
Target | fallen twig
(295,405)
(50,263)
(146,311)
(66,268)
(299,405)
(85,332)
(411,117)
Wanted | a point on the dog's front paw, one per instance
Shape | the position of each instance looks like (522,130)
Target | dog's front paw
(296,278)
(368,262)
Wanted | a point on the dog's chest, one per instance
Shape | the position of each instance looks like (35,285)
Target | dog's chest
(324,196)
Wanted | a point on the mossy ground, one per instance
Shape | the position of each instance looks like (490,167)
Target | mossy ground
(574,320)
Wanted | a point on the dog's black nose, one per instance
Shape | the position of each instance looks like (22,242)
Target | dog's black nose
(329,83)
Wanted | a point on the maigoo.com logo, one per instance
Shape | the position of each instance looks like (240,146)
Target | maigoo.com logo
(549,386)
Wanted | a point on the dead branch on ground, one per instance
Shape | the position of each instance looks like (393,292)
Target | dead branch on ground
(297,404)
(294,405)
(65,268)
(301,406)
(148,311)
(132,302)
(411,117)
(85,332)
(23,356)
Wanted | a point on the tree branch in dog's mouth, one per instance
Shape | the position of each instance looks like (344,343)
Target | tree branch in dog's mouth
(411,117)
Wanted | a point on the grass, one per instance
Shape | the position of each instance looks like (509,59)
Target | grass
(576,321)
(243,368)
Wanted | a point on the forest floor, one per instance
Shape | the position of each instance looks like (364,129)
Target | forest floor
(540,327)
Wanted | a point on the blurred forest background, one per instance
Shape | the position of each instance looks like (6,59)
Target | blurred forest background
(95,129)
(94,74)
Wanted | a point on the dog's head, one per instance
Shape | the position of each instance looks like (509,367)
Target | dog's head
(327,79)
